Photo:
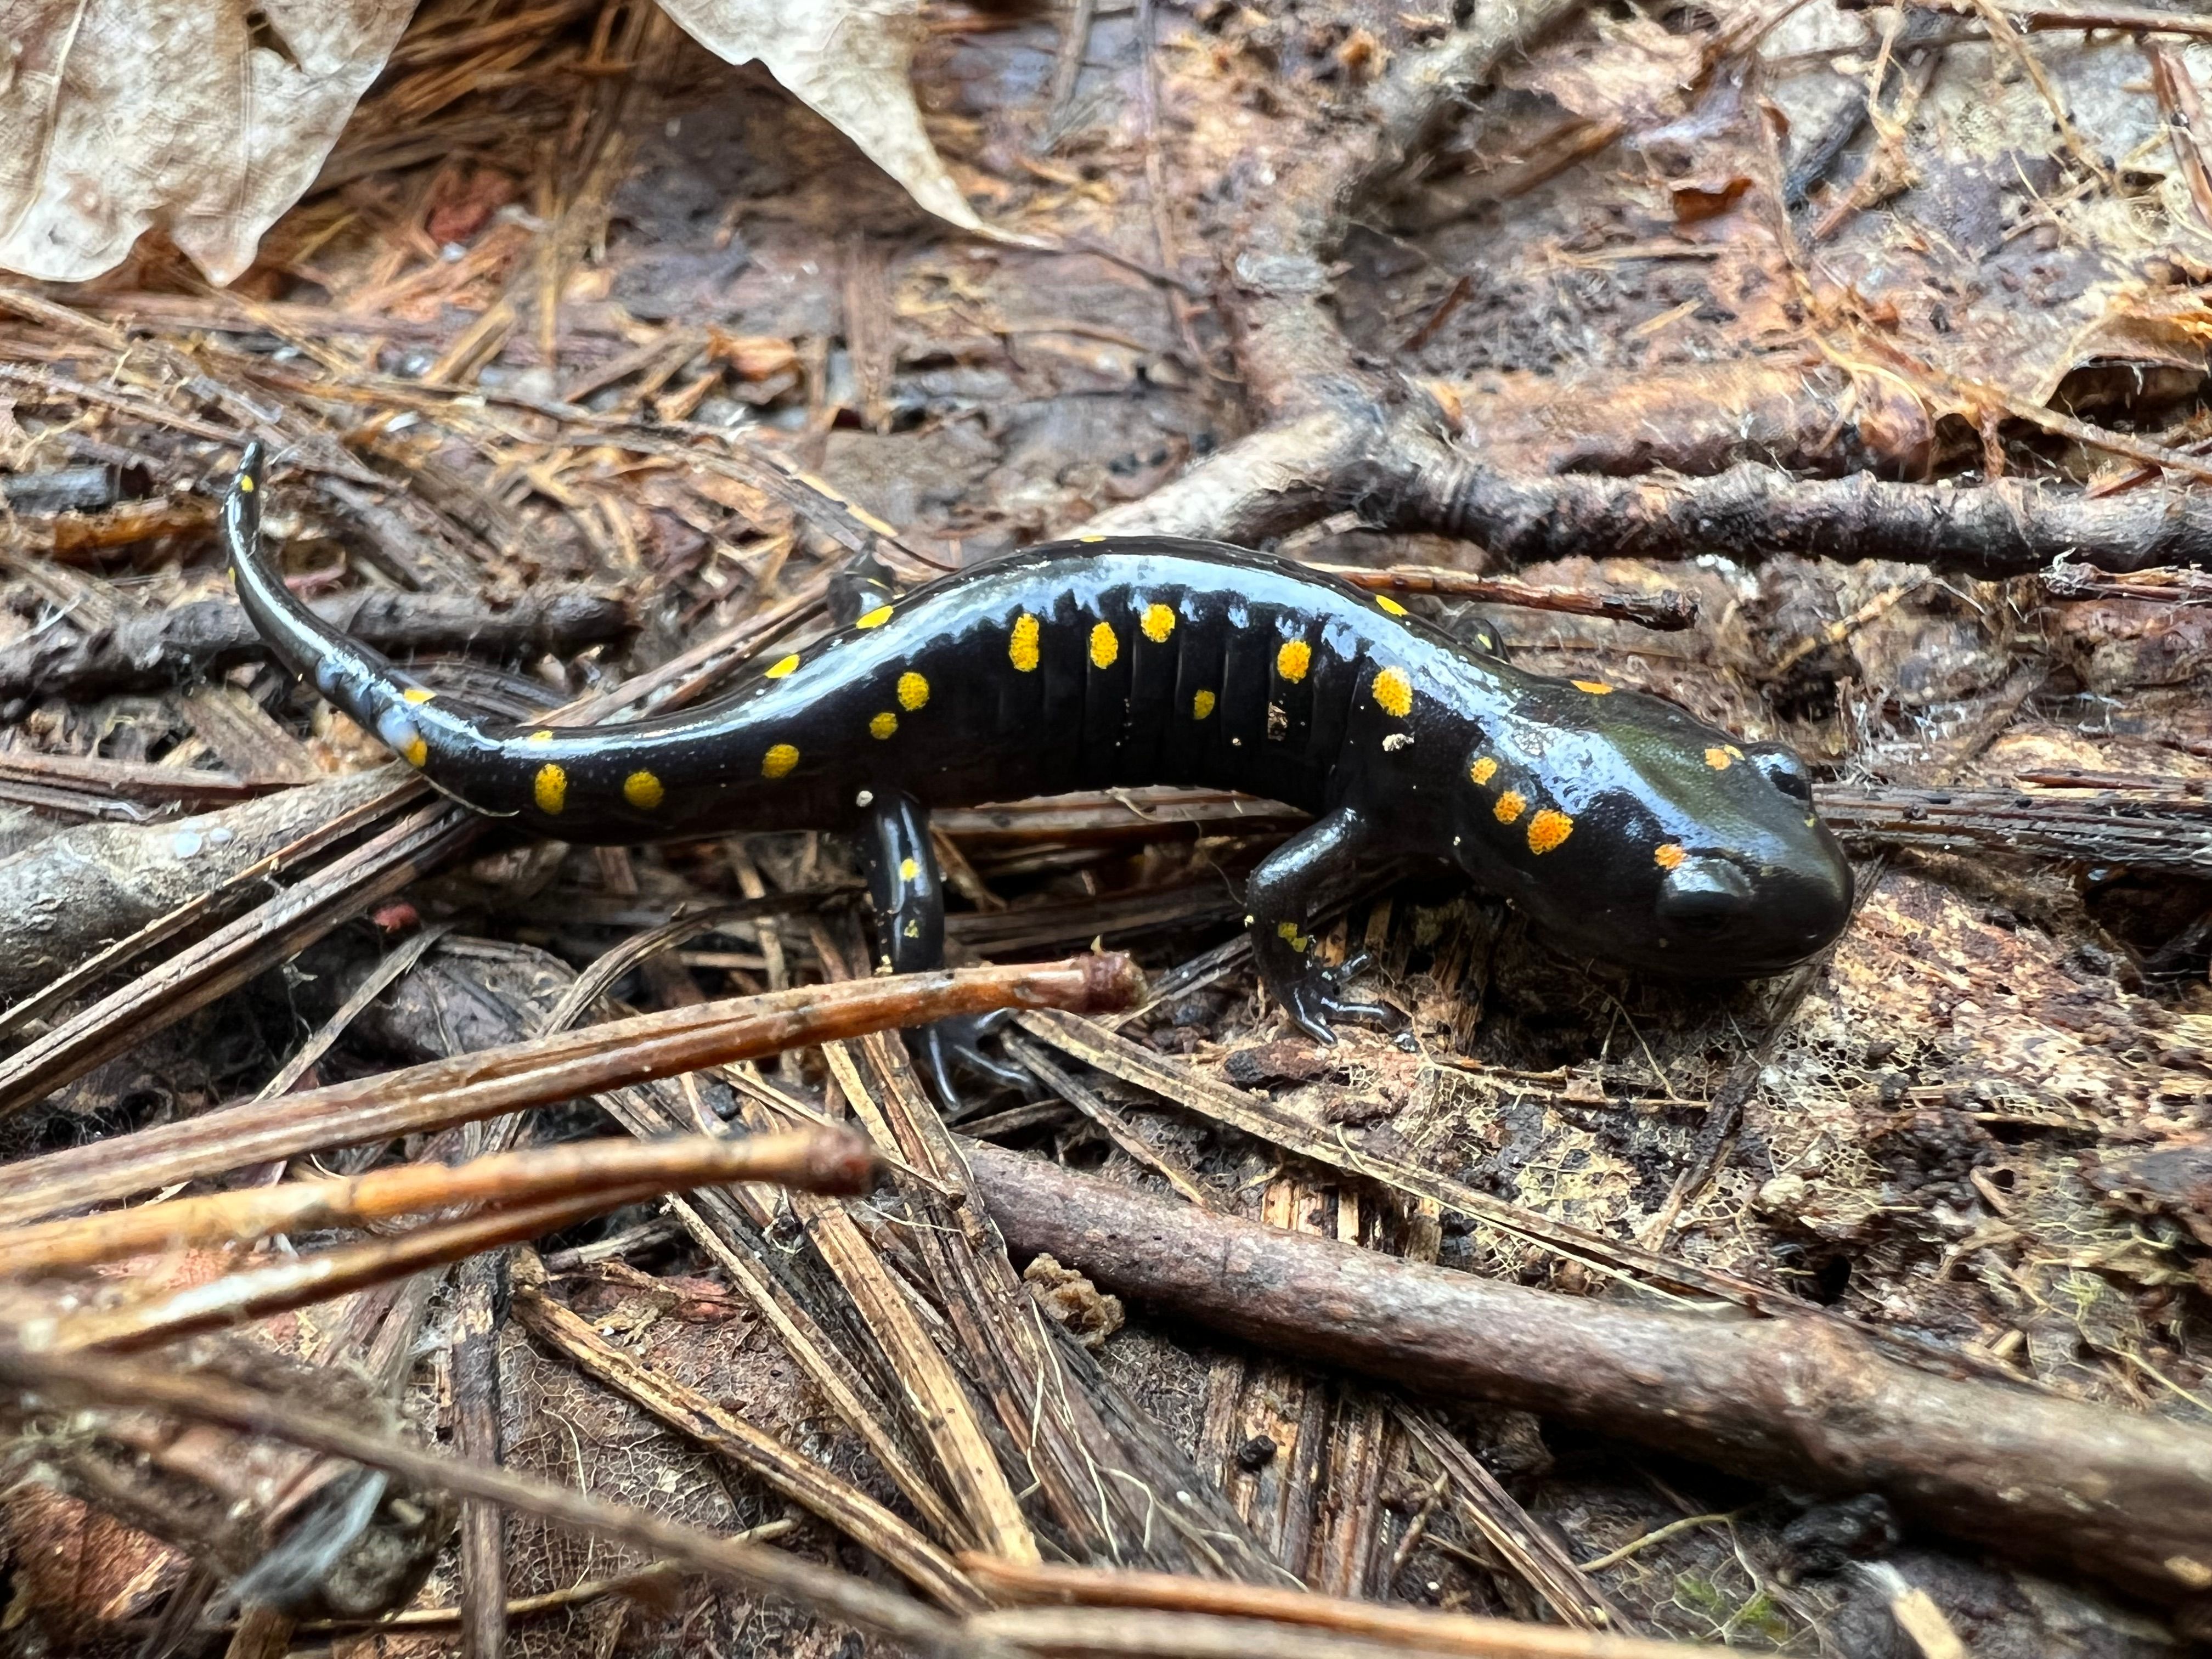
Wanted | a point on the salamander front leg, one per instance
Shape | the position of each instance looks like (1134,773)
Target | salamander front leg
(1283,898)
(909,895)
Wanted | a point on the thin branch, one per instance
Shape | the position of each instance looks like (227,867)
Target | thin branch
(818,1161)
(2119,1497)
(1286,1609)
(508,1078)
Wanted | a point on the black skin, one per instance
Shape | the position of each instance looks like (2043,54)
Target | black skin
(1626,829)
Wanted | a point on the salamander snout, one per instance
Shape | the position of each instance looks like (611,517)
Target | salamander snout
(1706,896)
(1728,916)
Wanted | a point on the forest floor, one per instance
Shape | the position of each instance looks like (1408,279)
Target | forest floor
(575,363)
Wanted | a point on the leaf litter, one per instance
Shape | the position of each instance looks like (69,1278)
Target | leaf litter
(553,290)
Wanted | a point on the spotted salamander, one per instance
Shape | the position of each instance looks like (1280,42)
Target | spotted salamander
(1625,828)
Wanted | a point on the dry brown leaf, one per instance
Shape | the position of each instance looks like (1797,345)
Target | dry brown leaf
(1636,73)
(208,120)
(199,118)
(846,60)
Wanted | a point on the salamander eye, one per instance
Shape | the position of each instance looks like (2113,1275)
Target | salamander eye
(1705,895)
(1782,768)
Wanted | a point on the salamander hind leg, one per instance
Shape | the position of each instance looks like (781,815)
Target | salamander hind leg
(1284,897)
(908,897)
(865,584)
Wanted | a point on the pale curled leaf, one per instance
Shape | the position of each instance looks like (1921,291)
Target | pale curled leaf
(119,116)
(847,60)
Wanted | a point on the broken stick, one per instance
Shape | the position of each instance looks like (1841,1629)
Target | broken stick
(2120,1496)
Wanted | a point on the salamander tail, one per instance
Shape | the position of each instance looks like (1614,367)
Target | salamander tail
(447,744)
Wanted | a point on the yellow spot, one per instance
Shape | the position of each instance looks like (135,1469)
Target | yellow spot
(913,692)
(1289,931)
(1483,770)
(1385,601)
(1718,759)
(1547,829)
(416,694)
(882,726)
(551,789)
(1022,643)
(416,750)
(1735,753)
(540,737)
(1595,688)
(778,760)
(784,666)
(909,869)
(1105,649)
(1090,538)
(1511,805)
(1668,855)
(1394,692)
(1202,705)
(245,486)
(1293,659)
(1158,623)
(642,790)
(875,618)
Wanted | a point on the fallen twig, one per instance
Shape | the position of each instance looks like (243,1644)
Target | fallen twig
(1664,612)
(2042,14)
(273,932)
(2150,829)
(2120,1496)
(818,1161)
(65,899)
(1418,1629)
(148,650)
(508,1078)
(1124,1633)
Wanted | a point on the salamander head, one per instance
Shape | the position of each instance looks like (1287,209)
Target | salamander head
(1631,831)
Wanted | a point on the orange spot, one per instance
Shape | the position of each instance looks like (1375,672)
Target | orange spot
(1483,770)
(1511,805)
(1719,759)
(1547,829)
(1668,855)
(1595,688)
(1394,692)
(550,789)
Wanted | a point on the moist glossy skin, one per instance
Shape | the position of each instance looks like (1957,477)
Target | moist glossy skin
(1626,829)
